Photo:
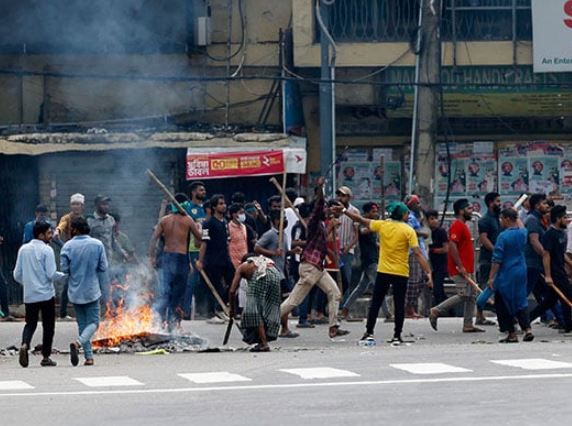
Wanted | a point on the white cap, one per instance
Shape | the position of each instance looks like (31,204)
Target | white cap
(77,198)
(298,201)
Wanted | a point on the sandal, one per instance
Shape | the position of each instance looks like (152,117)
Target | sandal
(289,335)
(508,340)
(336,331)
(74,354)
(528,337)
(88,362)
(258,348)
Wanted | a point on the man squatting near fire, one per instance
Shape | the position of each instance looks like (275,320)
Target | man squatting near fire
(260,320)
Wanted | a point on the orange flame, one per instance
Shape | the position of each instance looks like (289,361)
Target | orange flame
(121,323)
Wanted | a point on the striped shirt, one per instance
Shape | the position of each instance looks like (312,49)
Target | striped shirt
(348,231)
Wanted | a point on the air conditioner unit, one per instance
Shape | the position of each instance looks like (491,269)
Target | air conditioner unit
(203,31)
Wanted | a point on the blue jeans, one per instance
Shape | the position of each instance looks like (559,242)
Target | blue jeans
(346,261)
(87,316)
(192,281)
(169,298)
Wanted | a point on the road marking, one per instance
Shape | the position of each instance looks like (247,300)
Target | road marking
(100,382)
(534,364)
(320,373)
(14,385)
(215,377)
(430,368)
(292,386)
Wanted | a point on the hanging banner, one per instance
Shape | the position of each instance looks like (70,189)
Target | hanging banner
(234,164)
(552,35)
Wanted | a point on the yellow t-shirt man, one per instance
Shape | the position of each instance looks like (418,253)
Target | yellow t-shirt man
(396,239)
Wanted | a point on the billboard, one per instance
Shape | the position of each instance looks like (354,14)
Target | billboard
(552,35)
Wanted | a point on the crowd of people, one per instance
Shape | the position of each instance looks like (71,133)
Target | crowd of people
(216,261)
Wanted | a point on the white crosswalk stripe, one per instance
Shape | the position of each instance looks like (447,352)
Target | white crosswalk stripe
(14,385)
(111,381)
(430,368)
(534,364)
(320,373)
(214,377)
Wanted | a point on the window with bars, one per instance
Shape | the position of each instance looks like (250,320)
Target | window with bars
(396,20)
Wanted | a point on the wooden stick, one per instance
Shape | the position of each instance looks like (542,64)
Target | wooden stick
(282,207)
(181,210)
(167,193)
(288,202)
(214,292)
(382,178)
(558,292)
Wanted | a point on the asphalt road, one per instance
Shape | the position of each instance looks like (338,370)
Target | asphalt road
(439,378)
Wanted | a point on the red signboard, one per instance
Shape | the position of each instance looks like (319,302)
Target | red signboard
(234,164)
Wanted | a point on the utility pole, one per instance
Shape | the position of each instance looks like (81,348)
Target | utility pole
(327,104)
(426,122)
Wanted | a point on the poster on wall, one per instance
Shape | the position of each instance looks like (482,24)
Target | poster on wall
(482,174)
(545,175)
(513,175)
(566,178)
(358,176)
(391,181)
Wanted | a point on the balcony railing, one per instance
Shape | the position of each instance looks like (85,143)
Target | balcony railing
(364,21)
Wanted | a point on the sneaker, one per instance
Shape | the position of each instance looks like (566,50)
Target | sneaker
(367,336)
(215,320)
(47,362)
(74,353)
(23,356)
(396,341)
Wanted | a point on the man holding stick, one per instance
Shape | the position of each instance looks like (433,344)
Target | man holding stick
(312,271)
(214,258)
(461,265)
(175,229)
(554,242)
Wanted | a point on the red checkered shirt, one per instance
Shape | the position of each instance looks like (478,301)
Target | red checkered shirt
(316,244)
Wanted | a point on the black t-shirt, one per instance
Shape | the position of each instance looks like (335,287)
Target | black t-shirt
(368,249)
(438,260)
(554,241)
(215,233)
(491,225)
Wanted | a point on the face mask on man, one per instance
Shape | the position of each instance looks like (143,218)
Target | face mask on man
(242,217)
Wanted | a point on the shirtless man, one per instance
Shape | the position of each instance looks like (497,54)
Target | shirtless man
(175,229)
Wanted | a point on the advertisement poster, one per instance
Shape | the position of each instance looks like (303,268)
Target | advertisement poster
(391,182)
(481,175)
(358,176)
(513,175)
(552,36)
(458,177)
(566,178)
(545,175)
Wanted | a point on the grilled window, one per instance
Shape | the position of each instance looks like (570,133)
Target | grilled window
(396,20)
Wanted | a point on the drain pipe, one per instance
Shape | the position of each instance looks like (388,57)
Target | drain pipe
(415,120)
